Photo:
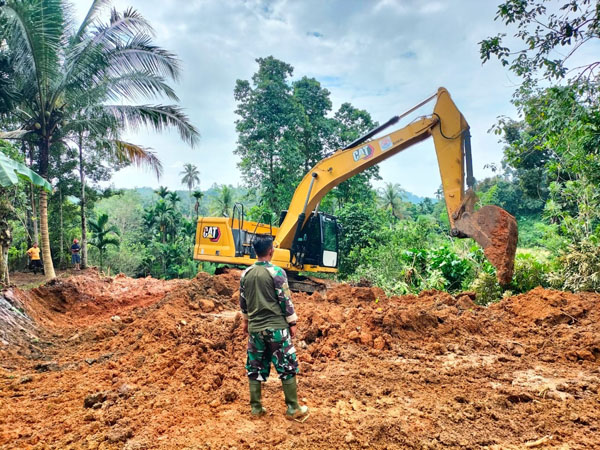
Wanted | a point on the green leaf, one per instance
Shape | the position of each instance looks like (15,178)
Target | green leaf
(11,170)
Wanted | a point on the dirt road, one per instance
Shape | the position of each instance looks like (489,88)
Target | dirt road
(113,363)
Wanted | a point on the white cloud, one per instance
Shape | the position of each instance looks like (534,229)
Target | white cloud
(383,57)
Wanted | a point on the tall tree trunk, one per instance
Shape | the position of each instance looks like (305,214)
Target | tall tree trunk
(61,260)
(5,235)
(271,177)
(46,253)
(34,215)
(34,208)
(29,217)
(4,276)
(5,240)
(84,259)
(29,221)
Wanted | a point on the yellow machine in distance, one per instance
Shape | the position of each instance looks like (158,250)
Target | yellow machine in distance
(307,240)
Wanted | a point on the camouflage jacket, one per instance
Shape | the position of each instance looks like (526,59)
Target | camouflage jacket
(265,298)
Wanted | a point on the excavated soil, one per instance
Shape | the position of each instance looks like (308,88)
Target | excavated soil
(501,229)
(110,363)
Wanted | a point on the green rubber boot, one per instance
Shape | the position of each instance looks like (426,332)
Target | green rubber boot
(294,409)
(257,408)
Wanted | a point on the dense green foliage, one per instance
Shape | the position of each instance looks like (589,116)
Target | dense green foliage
(283,130)
(550,32)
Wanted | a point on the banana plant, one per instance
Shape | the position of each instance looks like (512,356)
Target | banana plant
(10,173)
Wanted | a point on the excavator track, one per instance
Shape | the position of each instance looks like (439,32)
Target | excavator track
(299,283)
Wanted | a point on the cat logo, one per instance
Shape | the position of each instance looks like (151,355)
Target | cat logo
(363,153)
(212,233)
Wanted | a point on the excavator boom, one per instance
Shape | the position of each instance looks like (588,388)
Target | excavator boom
(492,227)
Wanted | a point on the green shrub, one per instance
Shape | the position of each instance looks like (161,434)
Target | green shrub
(487,289)
(454,269)
(578,269)
(400,271)
(125,259)
(536,234)
(207,267)
(530,273)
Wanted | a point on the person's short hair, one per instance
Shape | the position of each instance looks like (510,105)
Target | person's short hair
(262,244)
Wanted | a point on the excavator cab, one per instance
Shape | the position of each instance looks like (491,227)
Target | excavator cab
(321,237)
(317,243)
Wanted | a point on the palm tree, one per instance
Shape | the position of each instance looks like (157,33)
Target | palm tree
(198,196)
(191,178)
(124,152)
(164,217)
(100,235)
(162,192)
(68,79)
(224,201)
(173,198)
(390,197)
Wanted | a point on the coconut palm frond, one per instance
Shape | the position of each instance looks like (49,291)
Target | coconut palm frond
(122,26)
(15,134)
(156,117)
(140,54)
(35,34)
(138,84)
(91,17)
(87,58)
(139,156)
(111,241)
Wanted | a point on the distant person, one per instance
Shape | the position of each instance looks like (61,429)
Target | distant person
(34,257)
(75,256)
(270,322)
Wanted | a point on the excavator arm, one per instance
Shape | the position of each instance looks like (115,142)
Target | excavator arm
(492,227)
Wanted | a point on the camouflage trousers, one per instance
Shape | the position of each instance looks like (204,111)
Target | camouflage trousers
(271,346)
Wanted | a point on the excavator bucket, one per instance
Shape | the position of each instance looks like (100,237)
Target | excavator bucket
(495,230)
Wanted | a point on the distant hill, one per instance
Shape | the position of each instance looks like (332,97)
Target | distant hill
(412,198)
(147,196)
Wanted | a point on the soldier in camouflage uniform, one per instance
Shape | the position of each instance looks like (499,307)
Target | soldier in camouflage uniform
(270,321)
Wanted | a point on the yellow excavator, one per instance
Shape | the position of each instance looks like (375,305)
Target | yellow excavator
(307,239)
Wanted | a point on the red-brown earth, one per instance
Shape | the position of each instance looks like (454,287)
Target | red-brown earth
(88,362)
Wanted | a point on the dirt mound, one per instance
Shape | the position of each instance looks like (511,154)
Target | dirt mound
(426,371)
(89,297)
(561,324)
(543,306)
(19,334)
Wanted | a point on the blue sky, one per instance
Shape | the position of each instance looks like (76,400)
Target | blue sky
(384,56)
